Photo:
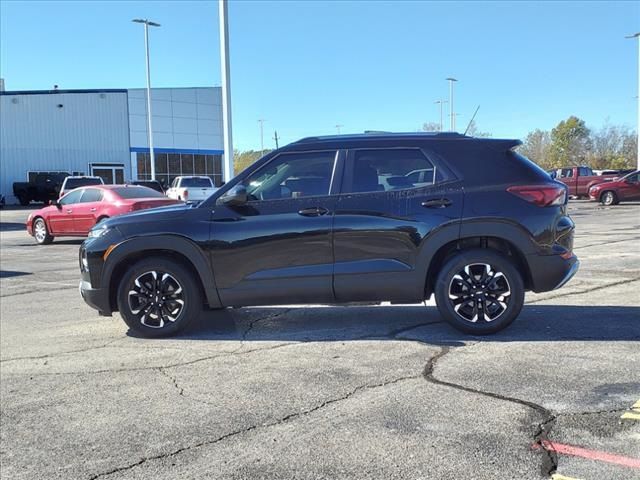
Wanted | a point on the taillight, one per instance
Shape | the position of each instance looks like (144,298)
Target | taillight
(541,195)
(185,194)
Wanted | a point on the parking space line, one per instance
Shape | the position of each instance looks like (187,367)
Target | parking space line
(557,476)
(601,456)
(633,413)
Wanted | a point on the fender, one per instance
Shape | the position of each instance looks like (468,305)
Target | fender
(433,242)
(175,243)
(502,228)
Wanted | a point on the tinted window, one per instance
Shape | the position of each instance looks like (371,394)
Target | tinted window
(72,197)
(136,192)
(91,195)
(566,173)
(81,182)
(196,182)
(293,175)
(632,178)
(390,169)
(584,172)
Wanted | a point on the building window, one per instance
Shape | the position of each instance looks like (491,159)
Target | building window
(169,166)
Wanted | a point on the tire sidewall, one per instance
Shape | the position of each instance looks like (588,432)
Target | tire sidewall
(47,238)
(605,198)
(192,296)
(496,260)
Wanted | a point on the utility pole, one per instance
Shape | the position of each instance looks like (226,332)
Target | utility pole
(261,122)
(147,23)
(441,102)
(226,89)
(452,115)
(275,137)
(637,35)
(338,127)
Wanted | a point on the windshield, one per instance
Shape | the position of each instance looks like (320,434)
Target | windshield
(137,192)
(81,182)
(198,182)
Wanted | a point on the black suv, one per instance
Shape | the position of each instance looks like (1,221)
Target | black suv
(373,217)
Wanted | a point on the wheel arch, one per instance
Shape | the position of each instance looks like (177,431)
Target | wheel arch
(173,246)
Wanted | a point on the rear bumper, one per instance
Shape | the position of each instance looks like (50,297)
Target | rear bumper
(550,272)
(97,298)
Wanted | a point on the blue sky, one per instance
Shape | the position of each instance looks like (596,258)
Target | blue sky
(307,66)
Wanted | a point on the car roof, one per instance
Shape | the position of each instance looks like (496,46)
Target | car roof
(378,138)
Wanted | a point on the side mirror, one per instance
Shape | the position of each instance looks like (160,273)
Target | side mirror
(234,197)
(55,202)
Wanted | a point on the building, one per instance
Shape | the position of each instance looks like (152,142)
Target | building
(104,133)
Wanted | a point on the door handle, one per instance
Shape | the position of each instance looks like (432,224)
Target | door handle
(93,209)
(69,210)
(313,212)
(437,203)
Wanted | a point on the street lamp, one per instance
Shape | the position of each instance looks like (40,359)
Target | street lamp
(148,23)
(637,35)
(338,127)
(441,102)
(225,73)
(451,114)
(261,122)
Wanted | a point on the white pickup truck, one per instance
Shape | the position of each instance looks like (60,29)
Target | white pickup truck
(191,189)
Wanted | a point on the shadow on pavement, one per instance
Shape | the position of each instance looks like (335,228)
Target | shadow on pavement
(12,226)
(11,273)
(335,323)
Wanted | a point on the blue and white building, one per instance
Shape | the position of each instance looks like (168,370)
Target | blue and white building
(104,133)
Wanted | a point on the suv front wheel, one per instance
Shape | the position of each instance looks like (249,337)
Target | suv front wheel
(158,297)
(479,291)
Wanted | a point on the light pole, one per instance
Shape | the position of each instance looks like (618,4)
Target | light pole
(148,23)
(637,35)
(338,127)
(261,122)
(441,102)
(226,90)
(452,115)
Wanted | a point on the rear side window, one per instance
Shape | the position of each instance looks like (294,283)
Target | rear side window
(91,195)
(136,192)
(383,170)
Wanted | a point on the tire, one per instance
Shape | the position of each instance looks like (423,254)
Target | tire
(24,200)
(466,278)
(609,198)
(172,316)
(101,219)
(41,232)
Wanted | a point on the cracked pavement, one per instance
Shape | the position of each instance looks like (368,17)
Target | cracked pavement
(321,391)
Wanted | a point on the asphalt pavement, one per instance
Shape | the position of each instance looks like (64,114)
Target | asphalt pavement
(324,392)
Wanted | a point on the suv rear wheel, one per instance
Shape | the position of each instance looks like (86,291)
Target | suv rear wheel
(158,297)
(479,291)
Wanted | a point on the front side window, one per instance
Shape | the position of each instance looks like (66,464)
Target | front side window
(72,197)
(390,169)
(633,178)
(293,175)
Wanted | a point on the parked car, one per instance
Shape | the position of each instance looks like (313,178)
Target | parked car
(477,238)
(44,188)
(153,184)
(71,183)
(618,173)
(191,189)
(81,209)
(580,179)
(618,190)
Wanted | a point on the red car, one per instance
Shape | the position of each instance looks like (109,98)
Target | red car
(617,190)
(78,211)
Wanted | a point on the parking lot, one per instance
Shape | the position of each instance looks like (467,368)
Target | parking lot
(324,391)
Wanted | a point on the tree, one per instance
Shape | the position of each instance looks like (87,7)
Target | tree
(431,127)
(242,160)
(536,148)
(570,143)
(473,131)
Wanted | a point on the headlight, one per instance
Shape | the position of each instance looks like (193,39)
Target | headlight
(98,232)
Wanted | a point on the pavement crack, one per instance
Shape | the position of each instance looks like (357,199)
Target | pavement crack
(286,418)
(58,354)
(586,290)
(543,429)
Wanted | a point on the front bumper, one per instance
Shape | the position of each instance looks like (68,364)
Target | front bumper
(97,298)
(550,272)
